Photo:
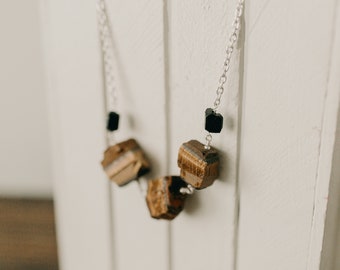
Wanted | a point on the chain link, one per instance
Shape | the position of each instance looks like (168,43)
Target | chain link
(106,42)
(208,139)
(229,51)
(189,190)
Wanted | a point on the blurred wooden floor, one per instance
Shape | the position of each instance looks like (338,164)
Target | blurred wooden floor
(27,235)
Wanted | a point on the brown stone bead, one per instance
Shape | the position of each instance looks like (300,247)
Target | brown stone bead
(124,162)
(163,197)
(199,166)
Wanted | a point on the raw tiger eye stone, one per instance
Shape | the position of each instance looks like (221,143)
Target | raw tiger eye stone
(199,166)
(213,121)
(124,162)
(163,197)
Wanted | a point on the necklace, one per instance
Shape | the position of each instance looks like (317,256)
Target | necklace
(124,161)
(198,162)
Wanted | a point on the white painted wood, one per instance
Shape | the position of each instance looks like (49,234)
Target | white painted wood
(139,241)
(327,195)
(81,191)
(168,60)
(287,118)
(331,243)
(336,251)
(25,165)
(330,258)
(203,236)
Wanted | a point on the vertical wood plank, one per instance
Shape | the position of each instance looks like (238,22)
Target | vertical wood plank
(139,241)
(285,140)
(81,191)
(331,242)
(330,258)
(203,236)
(284,143)
(23,96)
(328,175)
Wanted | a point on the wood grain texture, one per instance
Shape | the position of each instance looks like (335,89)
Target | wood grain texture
(283,141)
(27,235)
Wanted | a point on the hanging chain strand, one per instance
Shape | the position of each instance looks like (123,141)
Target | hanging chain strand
(106,42)
(229,52)
(233,38)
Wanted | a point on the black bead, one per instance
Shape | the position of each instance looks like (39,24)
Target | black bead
(213,121)
(112,121)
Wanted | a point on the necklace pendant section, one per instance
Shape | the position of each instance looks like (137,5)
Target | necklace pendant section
(199,166)
(164,199)
(124,162)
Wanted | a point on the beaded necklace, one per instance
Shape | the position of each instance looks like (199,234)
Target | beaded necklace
(198,162)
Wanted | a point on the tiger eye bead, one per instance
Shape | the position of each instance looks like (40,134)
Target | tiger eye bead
(163,197)
(199,166)
(125,162)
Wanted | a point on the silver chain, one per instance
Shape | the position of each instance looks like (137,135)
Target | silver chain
(233,38)
(208,140)
(106,42)
(189,190)
(229,52)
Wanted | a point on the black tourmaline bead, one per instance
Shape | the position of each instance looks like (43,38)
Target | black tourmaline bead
(213,121)
(112,121)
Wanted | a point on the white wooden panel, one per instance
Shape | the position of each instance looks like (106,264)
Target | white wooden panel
(203,236)
(25,165)
(283,148)
(331,244)
(82,192)
(139,241)
(330,259)
(168,60)
(336,256)
(324,243)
